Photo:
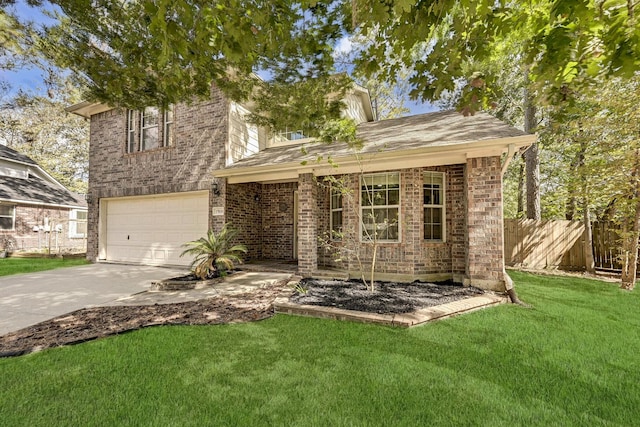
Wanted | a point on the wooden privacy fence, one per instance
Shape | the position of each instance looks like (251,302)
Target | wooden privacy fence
(606,249)
(544,244)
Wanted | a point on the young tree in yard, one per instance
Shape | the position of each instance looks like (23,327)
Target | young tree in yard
(359,199)
(360,244)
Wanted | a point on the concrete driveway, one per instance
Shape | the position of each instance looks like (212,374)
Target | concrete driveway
(27,299)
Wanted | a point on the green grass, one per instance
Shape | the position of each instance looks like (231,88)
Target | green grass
(571,360)
(29,265)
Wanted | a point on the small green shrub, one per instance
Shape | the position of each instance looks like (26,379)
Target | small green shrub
(215,253)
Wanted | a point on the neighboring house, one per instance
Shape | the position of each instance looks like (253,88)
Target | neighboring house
(36,211)
(160,178)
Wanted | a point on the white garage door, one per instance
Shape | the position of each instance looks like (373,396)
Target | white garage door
(151,230)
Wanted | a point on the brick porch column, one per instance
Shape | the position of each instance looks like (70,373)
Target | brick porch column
(484,251)
(307,224)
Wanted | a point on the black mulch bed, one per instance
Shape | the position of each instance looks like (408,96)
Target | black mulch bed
(387,297)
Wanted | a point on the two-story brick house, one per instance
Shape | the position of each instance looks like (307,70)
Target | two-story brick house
(158,179)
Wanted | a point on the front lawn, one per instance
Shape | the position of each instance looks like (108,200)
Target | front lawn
(30,265)
(571,360)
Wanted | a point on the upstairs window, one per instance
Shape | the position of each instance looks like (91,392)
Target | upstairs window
(7,217)
(433,204)
(380,207)
(167,133)
(149,129)
(131,131)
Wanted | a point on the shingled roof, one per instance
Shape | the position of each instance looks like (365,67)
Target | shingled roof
(37,187)
(444,137)
(37,190)
(11,154)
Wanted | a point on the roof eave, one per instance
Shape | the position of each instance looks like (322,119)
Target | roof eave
(378,161)
(87,109)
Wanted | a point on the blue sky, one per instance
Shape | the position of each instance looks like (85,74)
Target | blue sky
(30,79)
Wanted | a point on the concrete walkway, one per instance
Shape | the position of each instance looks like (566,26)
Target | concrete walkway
(27,299)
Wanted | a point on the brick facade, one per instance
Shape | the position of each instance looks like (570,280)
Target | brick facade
(264,216)
(307,224)
(200,135)
(472,250)
(29,216)
(485,247)
(412,256)
(278,220)
(244,213)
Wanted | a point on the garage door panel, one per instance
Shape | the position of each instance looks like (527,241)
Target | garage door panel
(152,230)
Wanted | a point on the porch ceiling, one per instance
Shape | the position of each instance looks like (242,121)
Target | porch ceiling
(432,139)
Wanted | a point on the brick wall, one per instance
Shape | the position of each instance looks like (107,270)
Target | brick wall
(412,255)
(200,134)
(244,213)
(277,220)
(485,258)
(307,224)
(24,238)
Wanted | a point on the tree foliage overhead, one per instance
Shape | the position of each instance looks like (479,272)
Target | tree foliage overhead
(158,52)
(569,41)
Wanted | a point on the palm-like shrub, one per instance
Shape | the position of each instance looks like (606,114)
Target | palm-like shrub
(215,253)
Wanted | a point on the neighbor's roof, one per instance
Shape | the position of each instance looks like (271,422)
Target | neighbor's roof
(12,155)
(38,191)
(430,139)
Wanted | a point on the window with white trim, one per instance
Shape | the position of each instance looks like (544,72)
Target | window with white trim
(149,129)
(380,207)
(7,217)
(167,132)
(433,204)
(77,223)
(336,213)
(131,131)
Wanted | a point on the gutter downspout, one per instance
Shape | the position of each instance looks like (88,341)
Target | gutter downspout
(507,160)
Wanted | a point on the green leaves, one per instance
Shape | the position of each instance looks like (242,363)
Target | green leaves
(215,253)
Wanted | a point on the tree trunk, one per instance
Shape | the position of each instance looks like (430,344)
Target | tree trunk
(521,191)
(532,160)
(630,266)
(588,242)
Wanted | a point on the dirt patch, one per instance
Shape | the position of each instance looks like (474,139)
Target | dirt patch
(91,323)
(387,297)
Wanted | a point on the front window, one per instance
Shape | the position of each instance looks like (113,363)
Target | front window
(336,214)
(380,206)
(433,204)
(77,223)
(7,217)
